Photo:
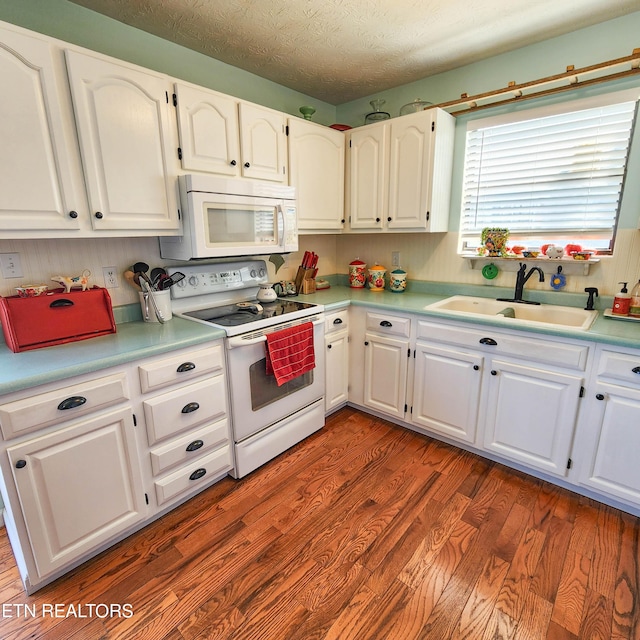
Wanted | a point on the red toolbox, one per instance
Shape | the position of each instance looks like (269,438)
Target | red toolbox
(55,318)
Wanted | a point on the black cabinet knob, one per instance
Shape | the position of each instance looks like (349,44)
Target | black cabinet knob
(377,219)
(20,464)
(233,163)
(246,165)
(494,372)
(99,215)
(342,221)
(195,445)
(197,474)
(328,346)
(191,407)
(599,396)
(366,343)
(72,403)
(476,367)
(73,214)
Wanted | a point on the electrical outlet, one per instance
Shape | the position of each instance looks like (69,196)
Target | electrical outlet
(11,265)
(110,277)
(395,258)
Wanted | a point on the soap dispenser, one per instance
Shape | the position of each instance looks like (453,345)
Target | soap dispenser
(622,301)
(634,307)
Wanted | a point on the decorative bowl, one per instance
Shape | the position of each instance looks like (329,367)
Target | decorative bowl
(530,254)
(31,290)
(582,255)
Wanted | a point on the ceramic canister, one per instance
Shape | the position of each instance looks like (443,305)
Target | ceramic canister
(357,274)
(398,280)
(376,277)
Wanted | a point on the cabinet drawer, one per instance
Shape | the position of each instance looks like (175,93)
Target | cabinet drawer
(189,447)
(623,367)
(195,474)
(44,409)
(388,324)
(179,368)
(173,413)
(561,354)
(336,321)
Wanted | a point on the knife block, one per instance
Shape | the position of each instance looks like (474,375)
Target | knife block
(304,278)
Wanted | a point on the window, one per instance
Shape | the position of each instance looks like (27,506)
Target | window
(550,175)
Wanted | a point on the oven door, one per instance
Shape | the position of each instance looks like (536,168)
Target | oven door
(257,401)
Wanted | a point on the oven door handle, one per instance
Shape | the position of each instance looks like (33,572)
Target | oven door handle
(239,341)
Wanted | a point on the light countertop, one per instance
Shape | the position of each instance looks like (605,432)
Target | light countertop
(136,340)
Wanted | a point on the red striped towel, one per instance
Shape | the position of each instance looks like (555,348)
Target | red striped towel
(290,352)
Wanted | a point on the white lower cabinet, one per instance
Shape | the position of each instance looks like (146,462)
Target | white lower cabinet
(88,462)
(446,396)
(386,357)
(336,344)
(78,487)
(609,439)
(531,414)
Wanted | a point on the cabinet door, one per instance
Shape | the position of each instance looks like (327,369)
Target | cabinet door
(609,442)
(385,374)
(316,167)
(336,370)
(263,143)
(367,177)
(409,169)
(38,187)
(446,392)
(531,415)
(78,487)
(208,128)
(126,141)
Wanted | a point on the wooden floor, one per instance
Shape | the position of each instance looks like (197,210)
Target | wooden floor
(365,530)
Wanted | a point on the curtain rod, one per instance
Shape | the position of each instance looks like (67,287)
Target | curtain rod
(534,89)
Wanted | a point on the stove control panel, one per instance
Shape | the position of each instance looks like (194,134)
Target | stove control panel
(218,278)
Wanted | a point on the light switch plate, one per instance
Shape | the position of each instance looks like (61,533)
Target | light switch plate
(11,265)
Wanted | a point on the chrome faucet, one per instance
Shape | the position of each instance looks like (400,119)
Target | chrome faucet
(521,279)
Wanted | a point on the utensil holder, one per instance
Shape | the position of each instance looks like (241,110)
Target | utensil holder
(163,301)
(304,275)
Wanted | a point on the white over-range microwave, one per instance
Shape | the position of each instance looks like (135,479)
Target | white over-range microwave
(228,217)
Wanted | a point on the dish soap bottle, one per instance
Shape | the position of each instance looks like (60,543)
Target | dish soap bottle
(622,301)
(634,306)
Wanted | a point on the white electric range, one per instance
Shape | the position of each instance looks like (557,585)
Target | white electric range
(267,419)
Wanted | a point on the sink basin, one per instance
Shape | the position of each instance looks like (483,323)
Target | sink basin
(515,313)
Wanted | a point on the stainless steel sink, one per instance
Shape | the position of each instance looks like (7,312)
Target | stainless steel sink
(514,313)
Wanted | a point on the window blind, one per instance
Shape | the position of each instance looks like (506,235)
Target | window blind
(552,176)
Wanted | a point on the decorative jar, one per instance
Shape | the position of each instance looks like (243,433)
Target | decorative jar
(357,274)
(376,277)
(398,280)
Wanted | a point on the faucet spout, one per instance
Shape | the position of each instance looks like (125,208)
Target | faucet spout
(521,279)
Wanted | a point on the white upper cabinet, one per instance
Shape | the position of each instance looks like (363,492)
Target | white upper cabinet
(42,186)
(222,135)
(399,173)
(316,170)
(125,130)
(263,143)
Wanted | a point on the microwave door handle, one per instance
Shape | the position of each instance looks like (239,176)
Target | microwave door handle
(280,214)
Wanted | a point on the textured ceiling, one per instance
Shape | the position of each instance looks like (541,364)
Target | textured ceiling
(340,50)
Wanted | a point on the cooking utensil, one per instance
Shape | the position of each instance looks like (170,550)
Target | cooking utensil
(140,269)
(156,274)
(169,281)
(130,277)
(146,288)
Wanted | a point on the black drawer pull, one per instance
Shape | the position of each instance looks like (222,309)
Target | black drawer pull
(21,464)
(337,321)
(635,370)
(490,341)
(186,366)
(191,407)
(599,396)
(197,474)
(195,445)
(72,403)
(63,302)
(386,323)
